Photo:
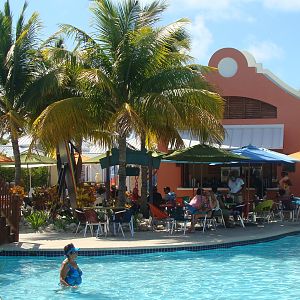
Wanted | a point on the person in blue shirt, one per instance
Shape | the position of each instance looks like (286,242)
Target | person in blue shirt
(169,196)
(70,274)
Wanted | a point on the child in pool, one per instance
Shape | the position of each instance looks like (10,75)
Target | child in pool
(70,274)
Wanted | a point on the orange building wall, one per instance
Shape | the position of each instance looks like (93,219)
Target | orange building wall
(247,82)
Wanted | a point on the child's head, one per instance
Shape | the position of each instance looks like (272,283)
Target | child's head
(70,249)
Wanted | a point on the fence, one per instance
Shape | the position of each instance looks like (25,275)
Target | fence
(10,210)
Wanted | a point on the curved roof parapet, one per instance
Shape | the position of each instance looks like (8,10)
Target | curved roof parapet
(259,69)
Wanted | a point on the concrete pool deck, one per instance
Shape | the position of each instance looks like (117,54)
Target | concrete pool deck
(50,241)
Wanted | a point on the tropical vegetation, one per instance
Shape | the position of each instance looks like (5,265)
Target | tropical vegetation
(24,78)
(137,78)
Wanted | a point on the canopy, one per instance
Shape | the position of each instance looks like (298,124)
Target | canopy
(203,154)
(31,161)
(135,157)
(262,155)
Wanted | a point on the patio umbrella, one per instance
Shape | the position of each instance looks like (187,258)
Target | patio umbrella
(263,155)
(295,155)
(203,154)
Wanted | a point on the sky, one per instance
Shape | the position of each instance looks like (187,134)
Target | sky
(268,29)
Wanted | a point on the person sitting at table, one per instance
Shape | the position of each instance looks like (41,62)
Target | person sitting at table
(201,203)
(157,199)
(217,203)
(169,196)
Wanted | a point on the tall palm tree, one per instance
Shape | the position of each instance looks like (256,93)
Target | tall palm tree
(23,77)
(137,83)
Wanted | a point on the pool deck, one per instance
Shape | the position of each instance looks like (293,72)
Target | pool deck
(50,241)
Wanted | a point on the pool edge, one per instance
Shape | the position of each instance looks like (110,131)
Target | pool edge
(141,250)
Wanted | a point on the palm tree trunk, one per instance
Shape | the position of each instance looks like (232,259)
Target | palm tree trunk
(122,170)
(78,178)
(17,157)
(144,176)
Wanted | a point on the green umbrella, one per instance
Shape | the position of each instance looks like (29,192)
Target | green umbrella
(203,154)
(135,157)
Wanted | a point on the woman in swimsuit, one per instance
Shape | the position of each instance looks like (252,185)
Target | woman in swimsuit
(70,274)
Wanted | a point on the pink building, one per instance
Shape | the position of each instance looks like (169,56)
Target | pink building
(260,110)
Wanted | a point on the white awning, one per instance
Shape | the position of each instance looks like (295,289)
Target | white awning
(269,136)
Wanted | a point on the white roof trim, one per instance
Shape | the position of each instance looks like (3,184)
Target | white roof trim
(259,69)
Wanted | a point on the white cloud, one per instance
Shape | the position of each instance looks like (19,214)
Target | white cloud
(201,39)
(287,5)
(214,9)
(264,51)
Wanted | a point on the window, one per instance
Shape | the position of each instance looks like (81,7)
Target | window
(246,108)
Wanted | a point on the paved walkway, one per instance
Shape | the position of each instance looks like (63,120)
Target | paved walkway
(149,239)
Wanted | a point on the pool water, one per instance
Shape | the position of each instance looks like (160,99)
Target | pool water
(262,271)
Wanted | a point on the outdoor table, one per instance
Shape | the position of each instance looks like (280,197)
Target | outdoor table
(106,210)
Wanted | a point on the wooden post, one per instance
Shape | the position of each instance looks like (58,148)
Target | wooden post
(14,221)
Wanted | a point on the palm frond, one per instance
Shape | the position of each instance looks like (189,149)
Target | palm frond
(62,121)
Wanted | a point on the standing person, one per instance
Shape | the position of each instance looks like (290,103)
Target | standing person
(284,184)
(235,185)
(70,274)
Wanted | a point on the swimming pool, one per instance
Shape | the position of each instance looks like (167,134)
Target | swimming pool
(262,271)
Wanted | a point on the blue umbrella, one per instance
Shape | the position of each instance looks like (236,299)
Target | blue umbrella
(262,155)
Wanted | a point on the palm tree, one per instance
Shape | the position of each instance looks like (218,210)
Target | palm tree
(23,76)
(137,83)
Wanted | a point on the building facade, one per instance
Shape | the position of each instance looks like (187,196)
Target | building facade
(260,110)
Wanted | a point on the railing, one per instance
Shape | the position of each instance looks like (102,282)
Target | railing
(10,209)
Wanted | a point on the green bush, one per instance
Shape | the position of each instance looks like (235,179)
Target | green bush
(37,219)
(60,224)
(39,176)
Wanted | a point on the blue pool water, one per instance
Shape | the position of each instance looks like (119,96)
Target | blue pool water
(262,271)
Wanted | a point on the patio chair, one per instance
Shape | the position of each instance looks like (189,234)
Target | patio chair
(287,207)
(80,216)
(123,218)
(178,214)
(204,217)
(93,220)
(160,216)
(237,213)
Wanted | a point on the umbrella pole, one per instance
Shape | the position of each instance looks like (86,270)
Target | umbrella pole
(248,194)
(201,175)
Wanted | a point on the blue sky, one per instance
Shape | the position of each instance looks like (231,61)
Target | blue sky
(265,28)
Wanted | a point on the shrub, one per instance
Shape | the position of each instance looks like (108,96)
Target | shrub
(60,224)
(37,219)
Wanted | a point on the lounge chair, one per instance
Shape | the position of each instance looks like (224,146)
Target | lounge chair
(160,216)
